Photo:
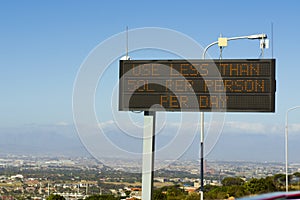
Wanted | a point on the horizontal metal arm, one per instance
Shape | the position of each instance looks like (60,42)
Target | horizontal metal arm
(250,37)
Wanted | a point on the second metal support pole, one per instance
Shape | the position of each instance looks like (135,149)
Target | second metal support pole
(202,152)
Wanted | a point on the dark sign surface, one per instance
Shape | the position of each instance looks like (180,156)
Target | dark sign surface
(233,85)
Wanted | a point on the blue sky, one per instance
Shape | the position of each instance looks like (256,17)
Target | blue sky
(43,44)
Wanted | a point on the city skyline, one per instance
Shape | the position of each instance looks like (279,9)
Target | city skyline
(43,46)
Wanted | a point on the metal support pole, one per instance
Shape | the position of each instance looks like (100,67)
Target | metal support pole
(202,150)
(148,155)
(251,37)
(202,139)
(286,154)
(286,146)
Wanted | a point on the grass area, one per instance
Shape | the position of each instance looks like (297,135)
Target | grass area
(295,187)
(160,185)
(18,184)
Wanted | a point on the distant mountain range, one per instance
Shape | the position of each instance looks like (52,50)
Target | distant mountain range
(41,140)
(62,140)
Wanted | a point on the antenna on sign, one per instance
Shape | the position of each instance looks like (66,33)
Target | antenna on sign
(126,57)
(272,39)
(127,42)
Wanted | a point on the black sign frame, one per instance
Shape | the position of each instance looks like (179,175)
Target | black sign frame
(249,85)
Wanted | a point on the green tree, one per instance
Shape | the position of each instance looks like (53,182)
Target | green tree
(263,185)
(279,180)
(159,195)
(127,193)
(297,174)
(193,196)
(236,191)
(174,193)
(217,193)
(102,197)
(55,197)
(229,181)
